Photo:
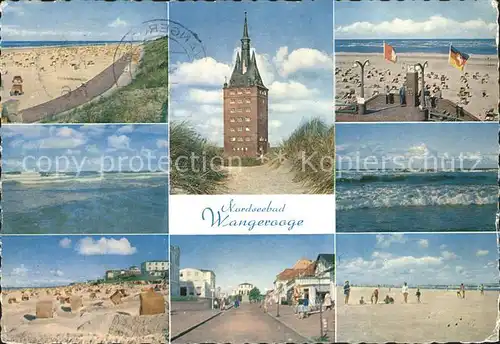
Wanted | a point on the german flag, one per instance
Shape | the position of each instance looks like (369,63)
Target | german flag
(457,59)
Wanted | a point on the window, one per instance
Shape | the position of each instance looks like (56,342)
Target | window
(247,129)
(240,92)
(247,110)
(240,128)
(232,139)
(240,139)
(247,139)
(247,91)
(231,93)
(232,120)
(240,101)
(246,148)
(232,110)
(240,110)
(262,101)
(231,101)
(247,101)
(231,130)
(240,119)
(247,119)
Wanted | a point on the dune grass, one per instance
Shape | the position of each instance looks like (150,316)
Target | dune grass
(310,150)
(196,164)
(141,101)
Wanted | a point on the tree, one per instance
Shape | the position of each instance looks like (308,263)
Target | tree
(254,294)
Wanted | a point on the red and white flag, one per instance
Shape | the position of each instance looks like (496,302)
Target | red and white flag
(390,53)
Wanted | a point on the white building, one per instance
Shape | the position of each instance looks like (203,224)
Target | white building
(197,282)
(175,285)
(243,289)
(154,268)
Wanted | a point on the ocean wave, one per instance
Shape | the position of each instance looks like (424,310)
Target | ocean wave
(73,178)
(412,196)
(467,178)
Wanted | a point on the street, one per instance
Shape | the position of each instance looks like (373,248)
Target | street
(246,324)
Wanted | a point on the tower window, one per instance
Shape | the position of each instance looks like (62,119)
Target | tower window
(247,101)
(240,139)
(231,129)
(240,128)
(232,93)
(240,119)
(247,91)
(247,129)
(231,101)
(233,110)
(247,110)
(232,120)
(247,119)
(240,101)
(240,92)
(232,139)
(247,139)
(240,110)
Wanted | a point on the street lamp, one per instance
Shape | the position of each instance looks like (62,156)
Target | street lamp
(362,66)
(421,67)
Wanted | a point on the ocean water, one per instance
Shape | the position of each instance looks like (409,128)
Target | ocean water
(432,46)
(25,44)
(116,203)
(410,202)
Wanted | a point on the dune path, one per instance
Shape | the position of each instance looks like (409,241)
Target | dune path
(262,180)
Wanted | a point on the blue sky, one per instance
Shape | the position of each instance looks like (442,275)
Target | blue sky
(293,45)
(255,259)
(415,19)
(96,20)
(418,259)
(413,142)
(92,147)
(35,261)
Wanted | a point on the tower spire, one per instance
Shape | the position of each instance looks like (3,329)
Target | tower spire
(245,28)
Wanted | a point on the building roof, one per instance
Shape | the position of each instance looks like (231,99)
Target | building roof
(245,283)
(302,268)
(245,72)
(328,257)
(302,263)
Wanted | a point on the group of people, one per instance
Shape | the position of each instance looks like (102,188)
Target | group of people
(375,295)
(430,99)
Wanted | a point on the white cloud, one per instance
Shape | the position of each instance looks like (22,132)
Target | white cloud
(118,23)
(291,90)
(119,142)
(65,243)
(424,243)
(57,273)
(58,143)
(302,59)
(104,246)
(481,253)
(459,269)
(443,246)
(447,255)
(434,27)
(384,240)
(19,271)
(126,129)
(196,95)
(205,71)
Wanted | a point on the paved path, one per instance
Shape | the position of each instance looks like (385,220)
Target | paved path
(247,324)
(263,180)
(83,94)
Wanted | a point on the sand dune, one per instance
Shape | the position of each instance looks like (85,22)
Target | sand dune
(441,317)
(480,78)
(49,72)
(98,318)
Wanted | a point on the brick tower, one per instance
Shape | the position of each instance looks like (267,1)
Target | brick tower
(245,106)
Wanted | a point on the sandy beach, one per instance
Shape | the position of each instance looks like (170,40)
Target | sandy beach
(441,317)
(83,313)
(479,78)
(49,72)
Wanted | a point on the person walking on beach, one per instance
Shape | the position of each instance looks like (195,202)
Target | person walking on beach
(387,91)
(404,290)
(347,292)
(374,298)
(481,289)
(418,293)
(462,290)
